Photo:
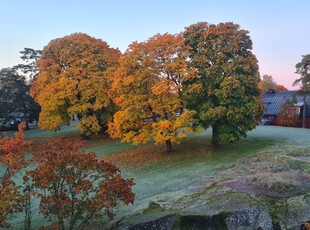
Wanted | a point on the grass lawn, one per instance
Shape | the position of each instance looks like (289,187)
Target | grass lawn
(166,178)
(173,179)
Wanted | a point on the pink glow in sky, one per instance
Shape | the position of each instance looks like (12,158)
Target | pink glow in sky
(279,28)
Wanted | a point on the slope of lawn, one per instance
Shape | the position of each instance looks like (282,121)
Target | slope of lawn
(164,178)
(170,179)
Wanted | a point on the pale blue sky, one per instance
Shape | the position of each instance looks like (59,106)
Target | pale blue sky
(280,29)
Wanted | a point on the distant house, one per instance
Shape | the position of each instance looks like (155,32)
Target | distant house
(273,100)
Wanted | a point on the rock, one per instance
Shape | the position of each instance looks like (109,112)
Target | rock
(249,219)
(214,222)
(164,223)
(174,222)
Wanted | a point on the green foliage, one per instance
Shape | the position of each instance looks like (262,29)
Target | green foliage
(224,91)
(14,95)
(12,90)
(303,68)
(153,207)
(30,69)
(267,82)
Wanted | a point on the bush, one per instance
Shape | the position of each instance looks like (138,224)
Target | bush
(289,114)
(75,186)
(12,157)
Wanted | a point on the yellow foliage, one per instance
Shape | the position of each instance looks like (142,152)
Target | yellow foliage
(163,86)
(173,129)
(89,125)
(147,87)
(73,80)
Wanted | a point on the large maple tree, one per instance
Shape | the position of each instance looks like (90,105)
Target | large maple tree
(224,91)
(147,88)
(72,80)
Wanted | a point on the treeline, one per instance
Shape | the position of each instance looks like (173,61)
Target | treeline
(161,89)
(15,84)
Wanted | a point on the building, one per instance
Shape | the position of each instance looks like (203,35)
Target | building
(273,100)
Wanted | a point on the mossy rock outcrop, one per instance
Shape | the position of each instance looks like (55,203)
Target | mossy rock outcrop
(239,220)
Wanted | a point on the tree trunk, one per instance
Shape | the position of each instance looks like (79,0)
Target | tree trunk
(25,116)
(79,116)
(168,146)
(61,225)
(27,223)
(304,112)
(85,136)
(215,135)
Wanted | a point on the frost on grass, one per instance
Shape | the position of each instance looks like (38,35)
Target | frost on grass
(277,185)
(277,176)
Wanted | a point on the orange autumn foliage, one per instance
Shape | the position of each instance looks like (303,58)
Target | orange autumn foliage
(267,82)
(281,88)
(72,80)
(12,157)
(289,114)
(75,186)
(147,88)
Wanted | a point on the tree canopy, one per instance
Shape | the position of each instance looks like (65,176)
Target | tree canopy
(12,159)
(303,68)
(30,69)
(75,186)
(289,114)
(207,74)
(281,88)
(14,95)
(72,80)
(224,91)
(147,88)
(268,82)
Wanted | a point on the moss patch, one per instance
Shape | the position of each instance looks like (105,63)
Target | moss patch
(153,208)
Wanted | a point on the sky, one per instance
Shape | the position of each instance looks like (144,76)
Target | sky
(279,29)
